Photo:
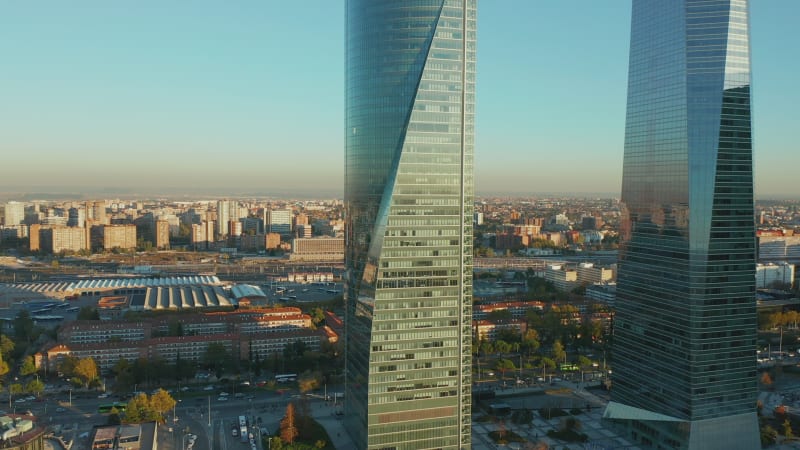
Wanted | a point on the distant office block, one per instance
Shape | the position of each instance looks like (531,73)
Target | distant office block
(589,273)
(779,248)
(251,225)
(203,235)
(563,277)
(234,228)
(96,211)
(303,231)
(318,249)
(774,275)
(118,236)
(278,221)
(300,219)
(77,217)
(34,243)
(14,214)
(273,241)
(162,234)
(227,210)
(62,238)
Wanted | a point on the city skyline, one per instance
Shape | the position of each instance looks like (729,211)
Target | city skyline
(192,100)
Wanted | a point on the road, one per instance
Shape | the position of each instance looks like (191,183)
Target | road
(264,410)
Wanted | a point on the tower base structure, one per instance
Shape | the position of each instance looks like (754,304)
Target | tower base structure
(649,429)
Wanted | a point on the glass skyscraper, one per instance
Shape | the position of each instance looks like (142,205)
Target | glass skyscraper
(685,329)
(410,104)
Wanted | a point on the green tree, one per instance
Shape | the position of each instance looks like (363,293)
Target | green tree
(67,365)
(136,409)
(317,316)
(3,367)
(309,381)
(161,402)
(15,389)
(28,366)
(140,409)
(6,346)
(787,429)
(768,435)
(184,368)
(88,313)
(217,358)
(86,370)
(275,443)
(114,417)
(23,326)
(584,361)
(175,328)
(558,351)
(547,363)
(530,342)
(502,347)
(35,387)
(295,350)
(503,365)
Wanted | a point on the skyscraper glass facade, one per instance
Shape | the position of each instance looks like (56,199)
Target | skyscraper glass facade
(685,329)
(410,102)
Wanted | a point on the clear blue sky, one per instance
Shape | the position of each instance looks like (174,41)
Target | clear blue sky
(209,96)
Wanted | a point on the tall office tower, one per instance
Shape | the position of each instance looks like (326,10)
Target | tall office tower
(97,212)
(278,221)
(299,219)
(14,214)
(410,102)
(77,217)
(227,210)
(161,234)
(685,328)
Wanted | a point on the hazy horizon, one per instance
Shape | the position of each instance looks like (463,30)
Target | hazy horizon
(107,97)
(72,194)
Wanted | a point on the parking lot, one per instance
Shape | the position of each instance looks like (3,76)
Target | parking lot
(287,293)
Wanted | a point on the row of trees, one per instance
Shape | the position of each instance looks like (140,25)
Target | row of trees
(788,319)
(144,408)
(548,330)
(80,372)
(297,357)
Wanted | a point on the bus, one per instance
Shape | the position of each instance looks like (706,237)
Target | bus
(566,367)
(243,428)
(286,377)
(105,409)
